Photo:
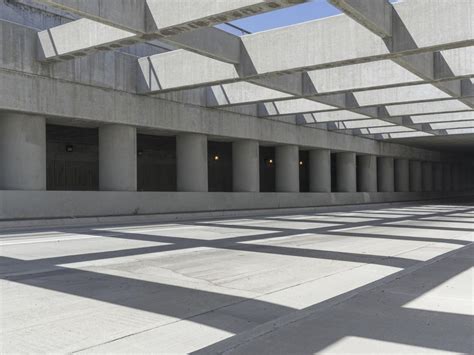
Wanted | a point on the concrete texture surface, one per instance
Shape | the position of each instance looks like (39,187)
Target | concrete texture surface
(393,279)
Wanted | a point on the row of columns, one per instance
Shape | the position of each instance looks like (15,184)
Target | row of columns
(23,164)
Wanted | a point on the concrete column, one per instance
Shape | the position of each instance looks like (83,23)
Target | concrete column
(402,175)
(385,174)
(447,178)
(22,152)
(245,166)
(437,177)
(427,176)
(117,158)
(191,162)
(415,176)
(367,173)
(287,172)
(346,172)
(320,170)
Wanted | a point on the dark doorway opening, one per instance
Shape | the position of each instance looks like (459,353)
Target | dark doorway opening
(156,163)
(304,170)
(267,169)
(333,172)
(72,158)
(219,165)
(358,174)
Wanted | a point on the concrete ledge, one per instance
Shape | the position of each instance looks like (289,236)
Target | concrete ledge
(15,205)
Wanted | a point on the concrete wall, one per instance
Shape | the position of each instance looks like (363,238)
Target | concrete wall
(42,204)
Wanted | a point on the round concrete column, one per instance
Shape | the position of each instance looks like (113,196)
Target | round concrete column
(415,176)
(22,152)
(437,177)
(385,174)
(191,156)
(245,166)
(117,158)
(320,170)
(287,174)
(367,173)
(402,179)
(447,178)
(346,172)
(427,176)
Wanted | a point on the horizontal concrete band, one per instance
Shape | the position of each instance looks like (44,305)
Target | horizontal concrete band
(57,204)
(83,102)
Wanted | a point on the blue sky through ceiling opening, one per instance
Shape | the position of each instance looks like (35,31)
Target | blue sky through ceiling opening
(313,10)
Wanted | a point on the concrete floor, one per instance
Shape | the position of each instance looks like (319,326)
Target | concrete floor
(392,280)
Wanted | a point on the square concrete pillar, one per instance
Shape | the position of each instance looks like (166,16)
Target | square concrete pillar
(402,175)
(415,176)
(320,170)
(438,177)
(385,174)
(367,173)
(287,172)
(191,162)
(245,166)
(117,158)
(22,152)
(346,172)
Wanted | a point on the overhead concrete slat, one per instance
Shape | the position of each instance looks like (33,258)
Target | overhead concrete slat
(411,93)
(329,116)
(460,60)
(128,15)
(291,107)
(403,135)
(389,129)
(361,76)
(460,131)
(56,43)
(445,117)
(227,94)
(172,69)
(450,125)
(360,124)
(426,107)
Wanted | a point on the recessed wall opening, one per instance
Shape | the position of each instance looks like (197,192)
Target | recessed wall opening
(358,174)
(156,163)
(267,169)
(333,172)
(219,165)
(72,158)
(304,170)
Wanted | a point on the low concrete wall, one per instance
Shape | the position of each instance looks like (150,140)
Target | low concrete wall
(57,204)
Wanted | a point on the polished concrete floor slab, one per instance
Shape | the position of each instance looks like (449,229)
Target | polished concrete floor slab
(388,280)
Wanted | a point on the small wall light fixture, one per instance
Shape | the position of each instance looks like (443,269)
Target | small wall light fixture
(69,148)
(301,163)
(268,161)
(216,157)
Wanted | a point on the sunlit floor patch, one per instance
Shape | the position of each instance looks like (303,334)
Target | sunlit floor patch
(436,224)
(272,223)
(203,232)
(325,218)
